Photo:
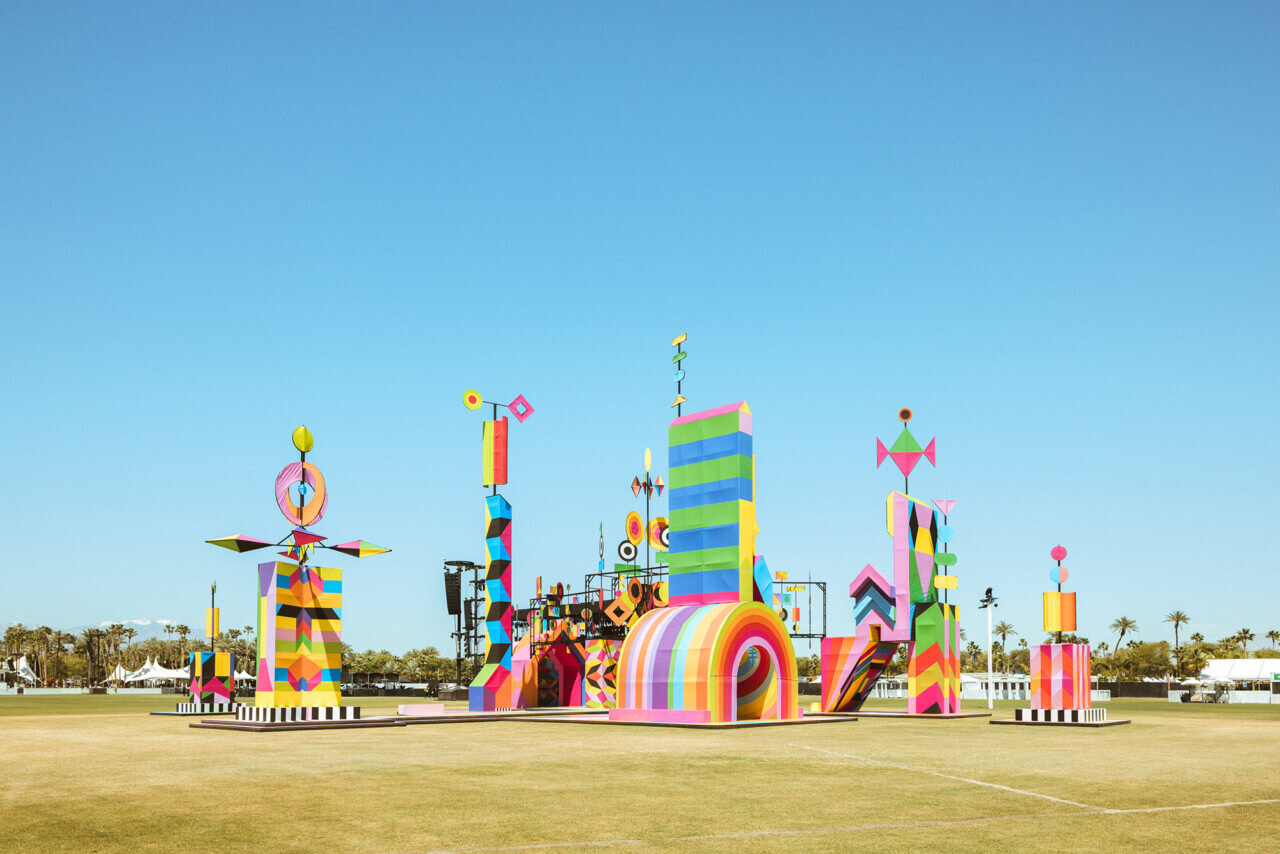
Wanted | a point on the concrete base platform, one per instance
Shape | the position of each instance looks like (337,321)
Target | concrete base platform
(282,726)
(604,720)
(464,717)
(1090,724)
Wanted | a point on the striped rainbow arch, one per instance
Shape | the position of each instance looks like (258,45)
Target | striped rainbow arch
(714,663)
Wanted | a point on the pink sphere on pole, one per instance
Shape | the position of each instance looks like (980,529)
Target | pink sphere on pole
(1058,553)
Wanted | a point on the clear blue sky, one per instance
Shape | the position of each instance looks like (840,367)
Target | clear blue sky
(1051,230)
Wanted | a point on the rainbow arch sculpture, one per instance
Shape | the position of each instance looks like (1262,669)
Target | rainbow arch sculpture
(708,664)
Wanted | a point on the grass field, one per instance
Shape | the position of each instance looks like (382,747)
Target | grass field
(84,773)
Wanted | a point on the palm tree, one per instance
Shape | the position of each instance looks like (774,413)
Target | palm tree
(43,636)
(1274,637)
(182,631)
(1003,629)
(1244,636)
(1177,618)
(1123,626)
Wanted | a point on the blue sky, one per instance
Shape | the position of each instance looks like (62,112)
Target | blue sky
(1052,231)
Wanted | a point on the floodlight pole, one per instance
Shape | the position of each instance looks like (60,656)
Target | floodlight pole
(990,703)
(988,603)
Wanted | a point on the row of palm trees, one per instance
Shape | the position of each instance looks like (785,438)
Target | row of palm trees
(1201,649)
(57,656)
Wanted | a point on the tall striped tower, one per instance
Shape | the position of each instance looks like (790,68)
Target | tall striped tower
(711,506)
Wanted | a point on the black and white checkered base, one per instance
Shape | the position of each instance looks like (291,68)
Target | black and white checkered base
(297,714)
(206,708)
(1061,716)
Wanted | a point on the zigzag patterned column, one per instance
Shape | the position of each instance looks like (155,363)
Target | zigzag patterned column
(492,687)
(933,664)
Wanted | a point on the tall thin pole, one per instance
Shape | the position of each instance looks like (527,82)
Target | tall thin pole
(990,703)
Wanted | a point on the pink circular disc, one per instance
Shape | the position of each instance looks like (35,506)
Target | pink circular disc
(1058,553)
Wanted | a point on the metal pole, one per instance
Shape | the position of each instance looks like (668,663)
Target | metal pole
(990,703)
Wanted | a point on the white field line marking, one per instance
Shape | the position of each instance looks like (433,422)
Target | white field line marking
(855,828)
(952,777)
(1197,806)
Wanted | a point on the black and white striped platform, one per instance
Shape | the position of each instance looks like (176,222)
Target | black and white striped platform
(207,708)
(1096,717)
(1061,716)
(296,714)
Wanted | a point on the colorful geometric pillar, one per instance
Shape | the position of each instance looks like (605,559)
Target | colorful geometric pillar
(712,507)
(1060,677)
(933,660)
(213,679)
(493,687)
(299,635)
(933,656)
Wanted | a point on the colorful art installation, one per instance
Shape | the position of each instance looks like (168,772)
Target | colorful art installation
(299,631)
(717,653)
(1061,683)
(906,451)
(711,506)
(563,667)
(678,361)
(493,688)
(213,682)
(908,610)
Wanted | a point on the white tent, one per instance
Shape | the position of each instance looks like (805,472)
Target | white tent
(152,670)
(241,676)
(1241,669)
(118,674)
(24,670)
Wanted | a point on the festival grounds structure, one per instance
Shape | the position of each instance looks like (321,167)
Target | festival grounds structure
(702,638)
(697,636)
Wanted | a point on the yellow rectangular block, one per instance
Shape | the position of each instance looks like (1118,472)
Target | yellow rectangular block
(211,622)
(1052,611)
(946,582)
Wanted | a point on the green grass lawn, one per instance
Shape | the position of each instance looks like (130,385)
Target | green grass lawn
(95,773)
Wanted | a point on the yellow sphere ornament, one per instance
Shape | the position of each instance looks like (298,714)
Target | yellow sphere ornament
(303,440)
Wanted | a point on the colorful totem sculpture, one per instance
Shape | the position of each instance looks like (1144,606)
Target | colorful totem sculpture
(299,632)
(908,610)
(213,681)
(493,687)
(211,675)
(718,652)
(1061,684)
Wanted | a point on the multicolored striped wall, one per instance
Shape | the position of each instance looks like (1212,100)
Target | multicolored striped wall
(712,509)
(693,663)
(850,668)
(933,660)
(299,635)
(1060,676)
(213,678)
(493,686)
